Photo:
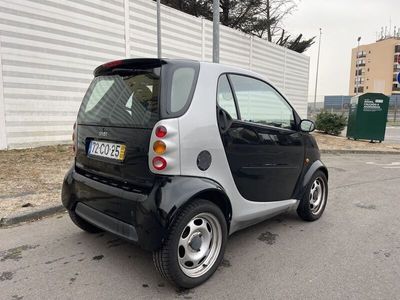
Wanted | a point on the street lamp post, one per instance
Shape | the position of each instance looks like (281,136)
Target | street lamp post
(216,31)
(316,75)
(357,64)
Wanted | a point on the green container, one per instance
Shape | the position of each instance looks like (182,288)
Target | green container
(368,116)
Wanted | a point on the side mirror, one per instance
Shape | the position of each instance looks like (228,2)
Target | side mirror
(307,125)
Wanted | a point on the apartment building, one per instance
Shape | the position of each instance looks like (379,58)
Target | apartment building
(374,67)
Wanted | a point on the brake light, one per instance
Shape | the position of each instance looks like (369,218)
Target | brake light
(112,64)
(74,139)
(159,163)
(159,147)
(161,131)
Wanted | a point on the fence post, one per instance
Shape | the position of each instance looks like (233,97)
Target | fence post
(127,32)
(284,69)
(203,39)
(3,136)
(395,109)
(251,53)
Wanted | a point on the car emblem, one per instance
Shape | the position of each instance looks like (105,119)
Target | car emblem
(103,133)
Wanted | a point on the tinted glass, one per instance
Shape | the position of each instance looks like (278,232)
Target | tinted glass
(225,97)
(130,101)
(181,87)
(259,103)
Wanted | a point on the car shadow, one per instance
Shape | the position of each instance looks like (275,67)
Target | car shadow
(129,260)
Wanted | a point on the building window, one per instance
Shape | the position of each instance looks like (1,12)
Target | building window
(360,80)
(360,89)
(360,62)
(361,54)
(396,87)
(359,72)
(397,49)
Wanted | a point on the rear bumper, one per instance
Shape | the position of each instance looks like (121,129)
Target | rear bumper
(130,215)
(105,222)
(142,218)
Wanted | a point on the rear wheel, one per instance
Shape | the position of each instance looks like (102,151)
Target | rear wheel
(312,205)
(194,246)
(82,224)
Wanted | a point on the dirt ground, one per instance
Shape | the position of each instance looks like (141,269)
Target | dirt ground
(32,178)
(329,142)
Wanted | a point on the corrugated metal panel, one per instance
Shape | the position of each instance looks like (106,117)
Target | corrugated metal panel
(49,49)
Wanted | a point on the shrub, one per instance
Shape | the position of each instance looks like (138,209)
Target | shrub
(330,123)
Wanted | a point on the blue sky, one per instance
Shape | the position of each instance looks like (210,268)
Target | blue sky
(342,21)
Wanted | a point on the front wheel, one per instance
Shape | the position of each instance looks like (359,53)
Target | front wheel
(312,205)
(195,245)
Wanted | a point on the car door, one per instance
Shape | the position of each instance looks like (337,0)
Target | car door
(264,149)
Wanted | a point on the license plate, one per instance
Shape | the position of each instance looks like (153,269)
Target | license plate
(109,150)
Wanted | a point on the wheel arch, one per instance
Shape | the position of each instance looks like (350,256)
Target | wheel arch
(180,191)
(219,198)
(315,166)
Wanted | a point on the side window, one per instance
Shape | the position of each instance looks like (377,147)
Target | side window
(182,84)
(259,103)
(225,97)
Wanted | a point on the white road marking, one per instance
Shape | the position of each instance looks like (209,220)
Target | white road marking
(392,165)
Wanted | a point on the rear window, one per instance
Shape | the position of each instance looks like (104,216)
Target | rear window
(125,101)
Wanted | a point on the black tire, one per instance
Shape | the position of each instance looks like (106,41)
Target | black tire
(305,209)
(82,224)
(166,258)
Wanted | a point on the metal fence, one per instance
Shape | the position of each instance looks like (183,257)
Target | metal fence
(48,49)
(340,105)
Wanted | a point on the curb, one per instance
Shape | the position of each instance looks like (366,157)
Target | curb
(348,151)
(30,216)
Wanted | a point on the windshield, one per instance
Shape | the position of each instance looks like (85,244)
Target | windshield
(124,101)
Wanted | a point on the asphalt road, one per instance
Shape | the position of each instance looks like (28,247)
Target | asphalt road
(352,252)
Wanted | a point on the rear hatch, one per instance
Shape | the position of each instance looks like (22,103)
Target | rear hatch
(115,122)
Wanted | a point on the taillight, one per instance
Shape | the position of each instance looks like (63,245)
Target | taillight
(159,147)
(74,139)
(159,163)
(161,131)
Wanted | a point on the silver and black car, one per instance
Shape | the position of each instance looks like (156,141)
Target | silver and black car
(176,155)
